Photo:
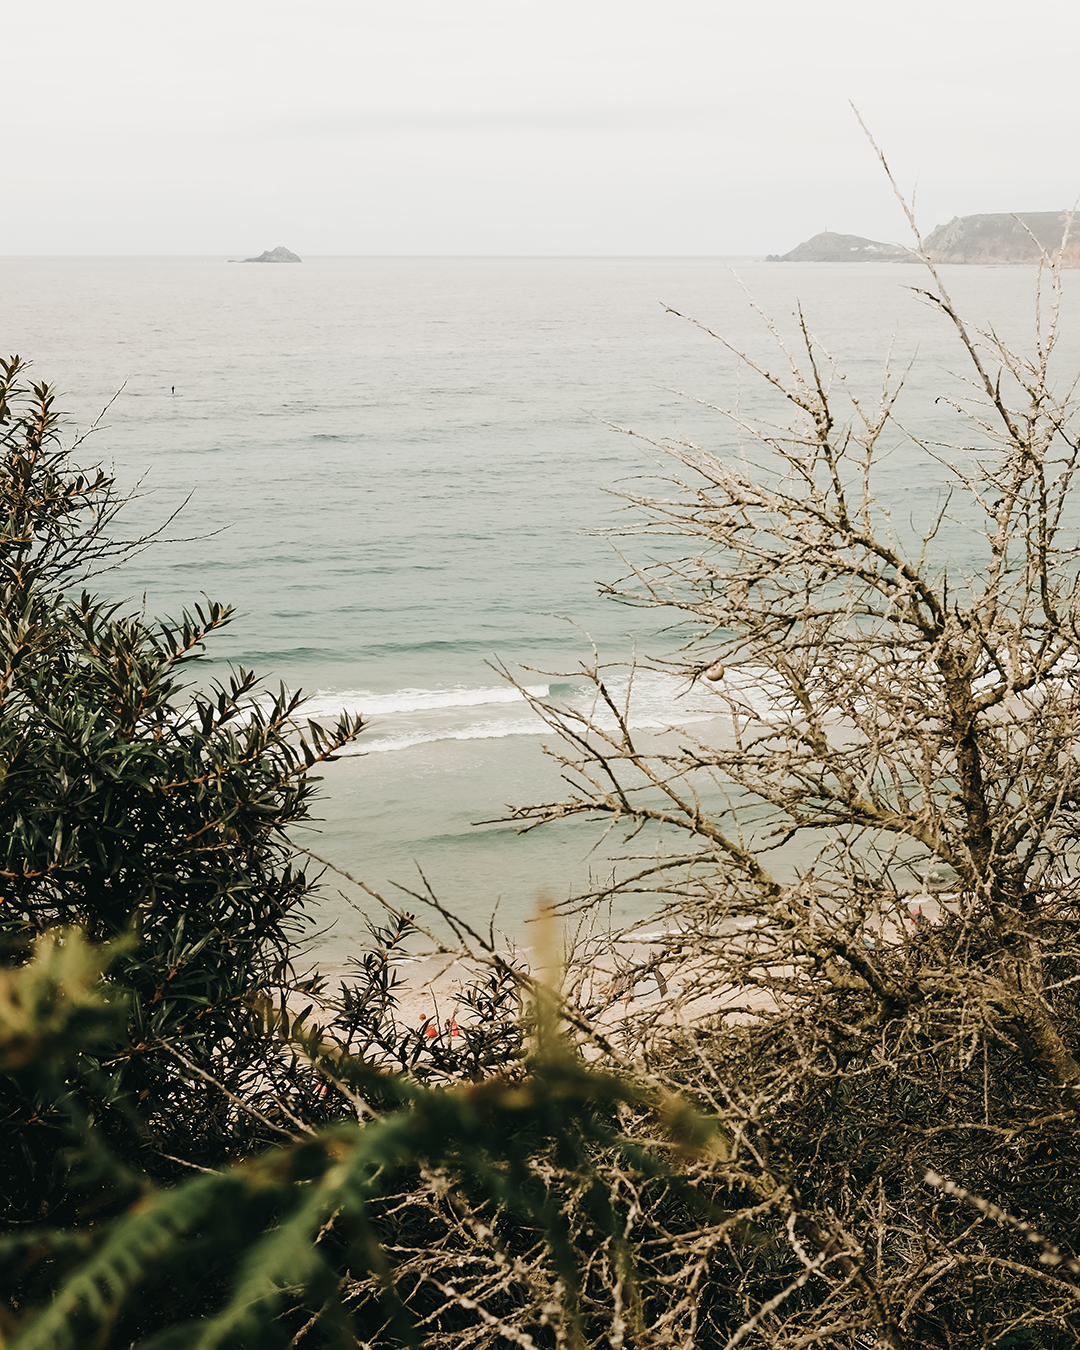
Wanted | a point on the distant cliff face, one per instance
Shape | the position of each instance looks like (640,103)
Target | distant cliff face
(1002,238)
(274,255)
(830,247)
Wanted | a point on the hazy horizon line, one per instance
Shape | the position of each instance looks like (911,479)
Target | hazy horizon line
(221,254)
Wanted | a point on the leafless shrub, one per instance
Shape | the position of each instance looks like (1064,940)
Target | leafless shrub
(866,866)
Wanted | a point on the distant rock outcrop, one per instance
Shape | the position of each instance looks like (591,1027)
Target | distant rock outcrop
(830,247)
(1004,238)
(274,255)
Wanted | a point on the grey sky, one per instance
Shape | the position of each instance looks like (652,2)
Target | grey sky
(515,126)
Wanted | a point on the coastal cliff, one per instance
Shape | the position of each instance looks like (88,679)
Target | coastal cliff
(1004,238)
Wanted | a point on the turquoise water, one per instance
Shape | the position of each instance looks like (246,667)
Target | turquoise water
(396,470)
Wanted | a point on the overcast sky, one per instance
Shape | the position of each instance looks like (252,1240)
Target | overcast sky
(521,127)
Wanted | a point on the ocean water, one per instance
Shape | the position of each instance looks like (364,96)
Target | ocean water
(400,470)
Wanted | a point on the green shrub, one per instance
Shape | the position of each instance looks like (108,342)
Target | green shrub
(132,805)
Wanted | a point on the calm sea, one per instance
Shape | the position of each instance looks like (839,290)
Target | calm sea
(399,471)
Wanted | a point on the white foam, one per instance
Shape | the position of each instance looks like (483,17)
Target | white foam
(656,701)
(653,701)
(331,703)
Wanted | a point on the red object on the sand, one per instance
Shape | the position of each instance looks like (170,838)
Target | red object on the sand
(432,1029)
(453,1027)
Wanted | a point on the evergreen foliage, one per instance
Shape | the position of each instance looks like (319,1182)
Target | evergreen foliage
(130,806)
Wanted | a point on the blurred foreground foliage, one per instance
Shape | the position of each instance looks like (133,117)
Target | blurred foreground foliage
(306,1238)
